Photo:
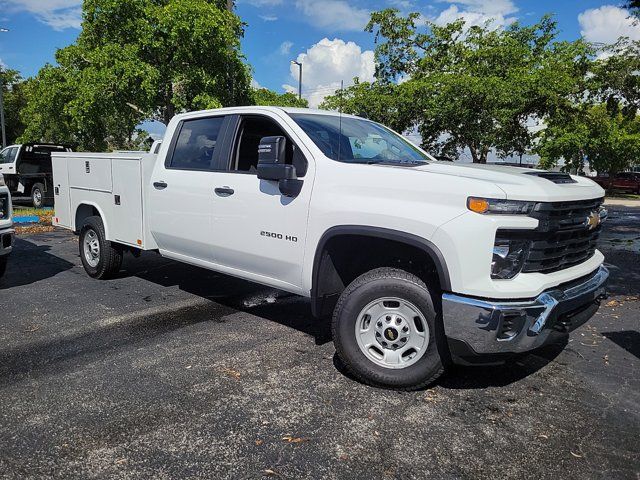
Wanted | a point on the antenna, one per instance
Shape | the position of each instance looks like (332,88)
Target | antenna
(340,112)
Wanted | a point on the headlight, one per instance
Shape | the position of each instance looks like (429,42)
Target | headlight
(508,258)
(493,206)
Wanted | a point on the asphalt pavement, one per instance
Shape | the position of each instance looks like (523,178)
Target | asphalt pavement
(170,371)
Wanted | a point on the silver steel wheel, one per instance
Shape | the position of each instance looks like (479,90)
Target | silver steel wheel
(91,247)
(37,197)
(392,332)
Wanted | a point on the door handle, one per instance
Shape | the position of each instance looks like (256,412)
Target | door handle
(224,191)
(160,185)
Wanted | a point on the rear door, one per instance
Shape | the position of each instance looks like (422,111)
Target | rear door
(181,196)
(258,232)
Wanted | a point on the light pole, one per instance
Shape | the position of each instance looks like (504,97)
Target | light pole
(299,78)
(4,135)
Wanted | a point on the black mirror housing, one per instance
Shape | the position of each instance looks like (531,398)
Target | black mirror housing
(272,153)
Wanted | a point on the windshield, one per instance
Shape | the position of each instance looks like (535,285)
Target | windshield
(355,140)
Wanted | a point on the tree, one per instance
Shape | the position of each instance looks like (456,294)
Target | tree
(609,141)
(264,96)
(136,60)
(14,101)
(475,88)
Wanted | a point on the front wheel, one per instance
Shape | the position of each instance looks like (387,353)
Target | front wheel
(385,332)
(100,257)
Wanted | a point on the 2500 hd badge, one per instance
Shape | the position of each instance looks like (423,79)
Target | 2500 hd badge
(279,236)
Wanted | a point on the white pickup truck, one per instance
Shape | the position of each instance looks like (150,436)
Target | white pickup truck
(6,225)
(420,262)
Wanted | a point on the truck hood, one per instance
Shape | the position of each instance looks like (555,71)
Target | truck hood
(519,183)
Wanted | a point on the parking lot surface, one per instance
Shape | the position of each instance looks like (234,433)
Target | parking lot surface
(171,371)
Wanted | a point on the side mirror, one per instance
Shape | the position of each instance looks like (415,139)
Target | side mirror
(271,165)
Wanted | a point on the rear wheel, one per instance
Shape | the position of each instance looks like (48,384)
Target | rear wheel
(100,258)
(37,195)
(385,332)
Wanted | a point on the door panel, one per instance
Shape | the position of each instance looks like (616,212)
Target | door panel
(256,229)
(181,194)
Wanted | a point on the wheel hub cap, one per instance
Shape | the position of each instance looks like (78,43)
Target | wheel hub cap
(91,248)
(392,332)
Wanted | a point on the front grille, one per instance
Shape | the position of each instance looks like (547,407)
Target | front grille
(562,238)
(4,206)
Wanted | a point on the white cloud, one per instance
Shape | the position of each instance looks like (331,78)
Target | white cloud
(255,84)
(58,14)
(606,24)
(269,18)
(328,62)
(472,17)
(487,7)
(334,15)
(478,12)
(285,47)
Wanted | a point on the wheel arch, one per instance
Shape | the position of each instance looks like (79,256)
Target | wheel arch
(325,280)
(87,209)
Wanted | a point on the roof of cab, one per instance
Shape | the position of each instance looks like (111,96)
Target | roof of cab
(263,108)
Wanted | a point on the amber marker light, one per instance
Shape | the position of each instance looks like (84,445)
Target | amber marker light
(478,205)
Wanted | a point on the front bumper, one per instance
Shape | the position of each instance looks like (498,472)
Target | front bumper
(483,328)
(6,241)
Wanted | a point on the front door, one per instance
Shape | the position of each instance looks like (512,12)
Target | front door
(257,231)
(181,193)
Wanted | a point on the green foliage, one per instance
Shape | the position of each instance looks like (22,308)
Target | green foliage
(135,60)
(264,96)
(475,88)
(604,127)
(14,101)
(610,142)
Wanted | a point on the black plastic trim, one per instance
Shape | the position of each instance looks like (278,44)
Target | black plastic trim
(378,232)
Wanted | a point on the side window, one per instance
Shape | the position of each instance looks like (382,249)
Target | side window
(196,144)
(4,155)
(251,131)
(13,152)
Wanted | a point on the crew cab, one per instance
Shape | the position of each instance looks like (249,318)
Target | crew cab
(6,226)
(27,171)
(625,181)
(419,263)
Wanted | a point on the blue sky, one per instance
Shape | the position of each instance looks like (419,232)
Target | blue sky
(326,35)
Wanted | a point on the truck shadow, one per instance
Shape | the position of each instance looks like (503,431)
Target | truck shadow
(30,263)
(294,312)
(459,377)
(274,305)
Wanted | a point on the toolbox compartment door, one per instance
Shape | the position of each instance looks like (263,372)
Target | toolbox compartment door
(127,226)
(90,172)
(61,197)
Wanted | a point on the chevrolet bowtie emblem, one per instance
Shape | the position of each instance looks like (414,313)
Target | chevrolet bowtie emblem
(592,221)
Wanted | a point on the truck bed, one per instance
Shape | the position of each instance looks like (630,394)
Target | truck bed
(111,183)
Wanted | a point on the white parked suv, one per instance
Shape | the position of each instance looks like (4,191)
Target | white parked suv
(420,263)
(6,225)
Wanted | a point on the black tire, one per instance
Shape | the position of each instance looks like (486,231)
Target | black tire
(109,256)
(37,195)
(3,265)
(375,284)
